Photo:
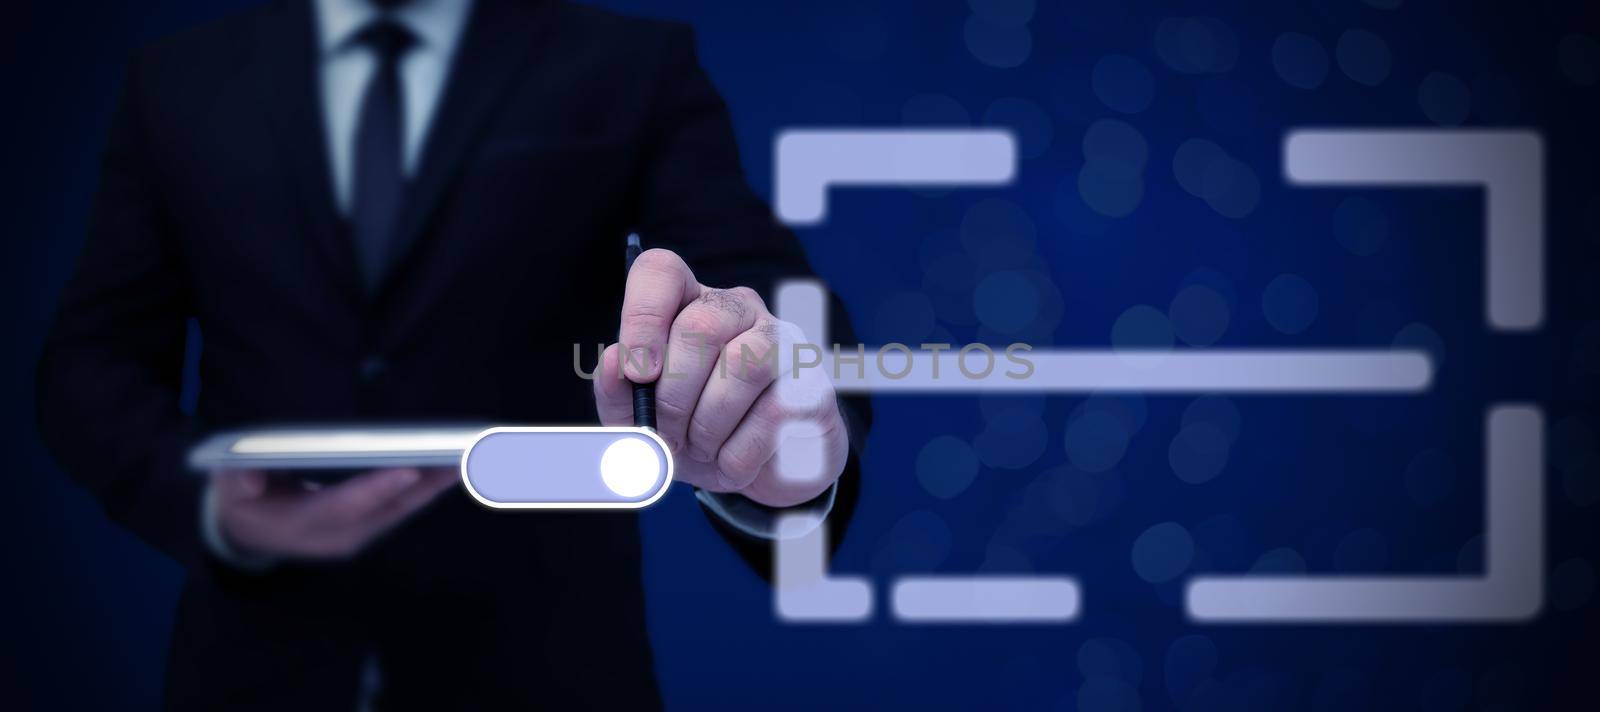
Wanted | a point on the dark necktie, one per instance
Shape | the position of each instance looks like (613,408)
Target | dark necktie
(379,152)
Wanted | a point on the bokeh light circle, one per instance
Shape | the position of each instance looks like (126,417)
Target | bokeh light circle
(1199,452)
(1363,57)
(1030,123)
(1196,45)
(1072,495)
(1108,190)
(1191,162)
(1142,327)
(1199,315)
(934,110)
(1107,694)
(1110,658)
(1096,441)
(919,541)
(1003,12)
(1230,187)
(1122,83)
(1006,301)
(1421,337)
(1163,552)
(998,233)
(1280,561)
(1300,60)
(998,46)
(1207,172)
(1012,439)
(1116,142)
(904,317)
(1444,99)
(1219,411)
(946,466)
(1289,303)
(1189,663)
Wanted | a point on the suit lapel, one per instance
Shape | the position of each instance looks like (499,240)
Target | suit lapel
(286,67)
(493,48)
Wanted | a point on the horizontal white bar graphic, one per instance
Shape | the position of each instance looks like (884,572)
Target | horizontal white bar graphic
(415,440)
(1367,599)
(809,162)
(993,599)
(1166,371)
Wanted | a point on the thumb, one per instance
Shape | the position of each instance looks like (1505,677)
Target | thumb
(240,484)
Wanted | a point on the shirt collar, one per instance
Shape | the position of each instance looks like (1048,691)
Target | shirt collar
(437,23)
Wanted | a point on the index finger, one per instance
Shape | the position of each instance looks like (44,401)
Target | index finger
(659,286)
(239,484)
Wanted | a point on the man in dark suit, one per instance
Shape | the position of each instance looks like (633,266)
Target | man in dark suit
(412,211)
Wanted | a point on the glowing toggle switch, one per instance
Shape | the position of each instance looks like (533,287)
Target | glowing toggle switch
(567,468)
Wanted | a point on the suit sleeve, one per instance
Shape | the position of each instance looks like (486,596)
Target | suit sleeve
(694,200)
(108,378)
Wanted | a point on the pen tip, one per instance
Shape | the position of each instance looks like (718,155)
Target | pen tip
(633,239)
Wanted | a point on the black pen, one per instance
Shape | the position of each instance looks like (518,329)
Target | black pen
(644,394)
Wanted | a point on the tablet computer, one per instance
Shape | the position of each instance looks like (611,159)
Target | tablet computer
(334,448)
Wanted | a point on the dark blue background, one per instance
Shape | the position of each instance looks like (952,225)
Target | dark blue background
(1347,484)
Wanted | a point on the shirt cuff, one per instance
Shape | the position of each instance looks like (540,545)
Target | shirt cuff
(217,544)
(762,522)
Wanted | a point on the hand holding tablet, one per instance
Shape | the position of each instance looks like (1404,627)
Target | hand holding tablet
(322,493)
(254,518)
(360,448)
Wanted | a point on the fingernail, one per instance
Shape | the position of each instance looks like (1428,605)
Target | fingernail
(641,362)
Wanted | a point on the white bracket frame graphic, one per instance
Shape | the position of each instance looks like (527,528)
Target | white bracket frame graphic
(1510,589)
(1508,165)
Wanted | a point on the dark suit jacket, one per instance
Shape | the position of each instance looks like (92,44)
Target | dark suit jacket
(561,129)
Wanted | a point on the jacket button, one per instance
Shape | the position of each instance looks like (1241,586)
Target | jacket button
(372,367)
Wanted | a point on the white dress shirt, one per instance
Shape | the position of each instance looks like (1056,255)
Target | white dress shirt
(346,67)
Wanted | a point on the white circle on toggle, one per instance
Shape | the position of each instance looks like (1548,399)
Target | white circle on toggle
(630,467)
